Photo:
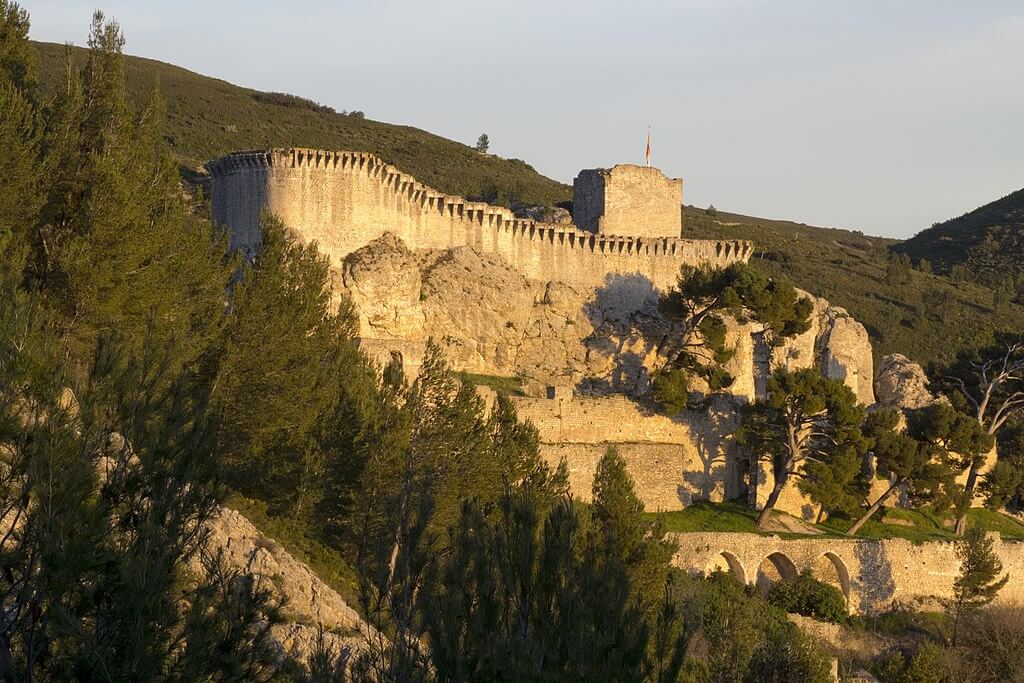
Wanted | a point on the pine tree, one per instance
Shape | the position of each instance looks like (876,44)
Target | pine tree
(806,427)
(977,584)
(1003,485)
(117,247)
(17,57)
(988,384)
(521,598)
(20,172)
(95,559)
(620,529)
(483,143)
(702,296)
(923,460)
(274,373)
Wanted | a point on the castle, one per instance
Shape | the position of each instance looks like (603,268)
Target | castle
(571,306)
(586,290)
(628,218)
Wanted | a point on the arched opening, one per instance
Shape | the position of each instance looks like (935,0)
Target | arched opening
(829,568)
(728,563)
(773,569)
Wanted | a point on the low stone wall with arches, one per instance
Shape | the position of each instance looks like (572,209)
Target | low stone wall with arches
(872,575)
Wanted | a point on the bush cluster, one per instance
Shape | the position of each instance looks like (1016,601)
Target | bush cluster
(806,595)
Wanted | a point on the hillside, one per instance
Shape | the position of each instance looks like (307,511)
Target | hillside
(928,318)
(988,241)
(208,118)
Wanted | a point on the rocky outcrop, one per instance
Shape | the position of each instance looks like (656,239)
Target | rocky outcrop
(308,601)
(902,383)
(837,344)
(490,319)
(385,279)
(307,597)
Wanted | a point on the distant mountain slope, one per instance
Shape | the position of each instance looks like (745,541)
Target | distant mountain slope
(928,318)
(989,241)
(208,118)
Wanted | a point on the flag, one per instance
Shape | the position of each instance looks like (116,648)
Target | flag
(648,153)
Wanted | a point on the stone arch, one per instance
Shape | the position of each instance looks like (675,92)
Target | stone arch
(728,563)
(773,569)
(830,568)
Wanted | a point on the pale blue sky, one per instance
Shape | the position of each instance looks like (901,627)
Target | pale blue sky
(879,115)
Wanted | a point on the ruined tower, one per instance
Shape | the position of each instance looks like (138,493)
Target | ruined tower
(628,200)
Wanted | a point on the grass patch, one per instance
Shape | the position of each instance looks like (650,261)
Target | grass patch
(992,520)
(707,516)
(510,386)
(918,526)
(325,562)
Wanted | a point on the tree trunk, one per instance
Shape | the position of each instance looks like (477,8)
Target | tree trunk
(769,505)
(972,482)
(874,508)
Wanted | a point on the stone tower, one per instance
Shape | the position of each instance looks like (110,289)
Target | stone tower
(628,200)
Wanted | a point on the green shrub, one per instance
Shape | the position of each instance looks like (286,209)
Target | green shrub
(810,597)
(927,665)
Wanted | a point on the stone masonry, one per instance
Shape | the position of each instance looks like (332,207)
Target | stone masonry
(628,200)
(873,575)
(343,200)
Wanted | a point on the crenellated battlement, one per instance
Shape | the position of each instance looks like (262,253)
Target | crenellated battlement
(342,200)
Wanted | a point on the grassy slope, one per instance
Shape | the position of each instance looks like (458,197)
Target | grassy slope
(208,118)
(848,268)
(328,564)
(989,240)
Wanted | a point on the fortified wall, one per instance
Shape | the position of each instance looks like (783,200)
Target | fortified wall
(343,200)
(873,574)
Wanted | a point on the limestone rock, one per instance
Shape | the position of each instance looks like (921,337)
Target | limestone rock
(300,640)
(846,354)
(490,319)
(383,280)
(543,214)
(801,352)
(309,599)
(902,383)
(478,309)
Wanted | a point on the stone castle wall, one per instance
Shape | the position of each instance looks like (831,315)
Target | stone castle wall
(673,461)
(628,200)
(343,200)
(874,575)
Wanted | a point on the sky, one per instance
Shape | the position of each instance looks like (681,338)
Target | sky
(876,115)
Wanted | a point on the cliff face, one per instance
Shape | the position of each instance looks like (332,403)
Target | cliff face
(490,319)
